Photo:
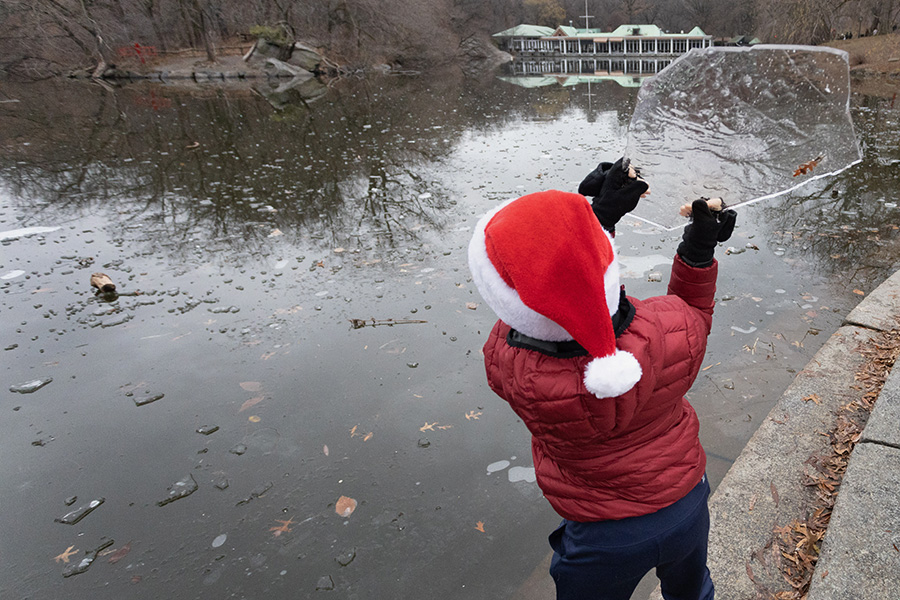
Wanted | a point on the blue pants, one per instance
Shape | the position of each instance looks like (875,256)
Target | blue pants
(605,560)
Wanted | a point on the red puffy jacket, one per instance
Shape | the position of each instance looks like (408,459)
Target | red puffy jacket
(612,458)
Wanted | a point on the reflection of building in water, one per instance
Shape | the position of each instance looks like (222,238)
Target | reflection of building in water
(538,80)
(604,67)
(627,41)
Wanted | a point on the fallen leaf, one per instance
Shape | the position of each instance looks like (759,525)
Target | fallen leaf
(368,436)
(283,528)
(428,426)
(64,557)
(860,292)
(750,572)
(472,415)
(275,233)
(774,493)
(251,402)
(325,450)
(345,506)
(120,553)
(444,427)
(267,356)
(814,397)
(471,305)
(251,386)
(254,419)
(136,579)
(480,526)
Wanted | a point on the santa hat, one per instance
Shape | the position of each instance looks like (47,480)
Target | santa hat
(548,269)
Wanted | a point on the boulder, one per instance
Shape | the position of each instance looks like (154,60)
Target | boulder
(296,54)
(305,57)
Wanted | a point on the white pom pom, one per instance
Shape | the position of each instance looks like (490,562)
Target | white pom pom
(613,375)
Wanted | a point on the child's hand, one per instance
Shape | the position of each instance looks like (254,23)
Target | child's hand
(619,193)
(706,229)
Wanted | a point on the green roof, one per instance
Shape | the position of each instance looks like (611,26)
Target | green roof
(622,31)
(526,31)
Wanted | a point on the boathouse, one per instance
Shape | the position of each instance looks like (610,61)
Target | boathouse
(627,41)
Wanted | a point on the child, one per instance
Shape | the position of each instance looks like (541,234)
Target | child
(599,379)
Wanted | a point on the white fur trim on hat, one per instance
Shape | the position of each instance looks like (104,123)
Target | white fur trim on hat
(502,299)
(613,375)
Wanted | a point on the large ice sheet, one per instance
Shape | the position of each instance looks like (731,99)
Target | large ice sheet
(744,124)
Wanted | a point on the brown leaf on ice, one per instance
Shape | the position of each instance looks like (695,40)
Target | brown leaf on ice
(285,527)
(859,292)
(774,493)
(325,450)
(345,506)
(480,526)
(251,386)
(251,402)
(808,166)
(472,415)
(471,305)
(368,436)
(814,397)
(64,557)
(120,553)
(427,426)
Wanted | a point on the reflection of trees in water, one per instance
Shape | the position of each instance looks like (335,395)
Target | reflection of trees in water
(850,222)
(215,168)
(224,164)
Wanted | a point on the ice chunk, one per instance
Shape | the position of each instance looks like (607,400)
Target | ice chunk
(181,489)
(80,512)
(743,124)
(497,466)
(30,387)
(24,232)
(526,474)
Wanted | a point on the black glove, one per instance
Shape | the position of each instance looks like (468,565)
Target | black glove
(618,193)
(593,183)
(706,229)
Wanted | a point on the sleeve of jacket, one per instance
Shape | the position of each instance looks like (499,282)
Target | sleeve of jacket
(696,286)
